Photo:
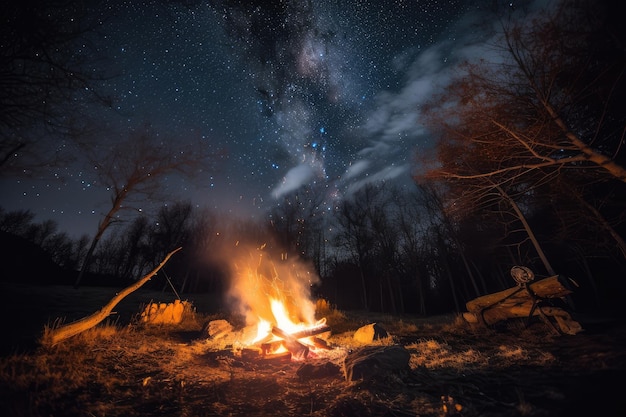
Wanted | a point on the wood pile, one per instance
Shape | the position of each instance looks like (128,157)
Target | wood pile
(543,298)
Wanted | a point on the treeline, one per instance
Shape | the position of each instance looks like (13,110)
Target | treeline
(527,167)
(383,249)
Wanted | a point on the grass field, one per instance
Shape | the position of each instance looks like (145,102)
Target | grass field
(125,368)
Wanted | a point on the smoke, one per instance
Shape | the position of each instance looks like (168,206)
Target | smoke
(261,273)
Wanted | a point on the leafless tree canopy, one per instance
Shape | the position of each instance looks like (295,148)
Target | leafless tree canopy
(544,124)
(47,66)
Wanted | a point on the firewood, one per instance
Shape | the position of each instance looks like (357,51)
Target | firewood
(553,287)
(313,331)
(299,350)
(250,354)
(281,357)
(319,343)
(269,347)
(526,301)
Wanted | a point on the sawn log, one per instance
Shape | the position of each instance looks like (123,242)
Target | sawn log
(528,300)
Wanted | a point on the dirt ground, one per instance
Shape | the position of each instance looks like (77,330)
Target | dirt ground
(454,369)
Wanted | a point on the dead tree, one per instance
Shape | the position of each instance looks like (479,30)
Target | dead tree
(53,336)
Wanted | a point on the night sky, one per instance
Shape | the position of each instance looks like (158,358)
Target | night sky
(326,93)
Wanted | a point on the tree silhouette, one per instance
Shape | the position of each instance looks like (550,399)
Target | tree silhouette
(547,111)
(47,67)
(134,171)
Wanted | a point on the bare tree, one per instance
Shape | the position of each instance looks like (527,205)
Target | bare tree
(16,222)
(548,110)
(298,222)
(354,235)
(134,171)
(47,66)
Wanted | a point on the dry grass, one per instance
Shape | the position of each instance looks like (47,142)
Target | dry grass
(454,369)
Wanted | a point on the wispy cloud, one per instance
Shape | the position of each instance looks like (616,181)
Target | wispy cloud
(394,129)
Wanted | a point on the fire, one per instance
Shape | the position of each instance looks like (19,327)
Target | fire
(275,296)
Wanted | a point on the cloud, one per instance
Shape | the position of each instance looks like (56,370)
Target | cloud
(387,173)
(294,179)
(356,168)
(394,127)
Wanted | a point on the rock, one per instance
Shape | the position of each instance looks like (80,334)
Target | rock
(375,361)
(369,333)
(318,370)
(216,329)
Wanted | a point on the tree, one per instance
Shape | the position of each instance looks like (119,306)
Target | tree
(548,110)
(298,224)
(47,67)
(368,232)
(134,170)
(354,234)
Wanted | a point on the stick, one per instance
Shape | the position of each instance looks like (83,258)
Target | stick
(54,336)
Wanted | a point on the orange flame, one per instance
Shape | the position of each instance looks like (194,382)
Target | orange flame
(273,293)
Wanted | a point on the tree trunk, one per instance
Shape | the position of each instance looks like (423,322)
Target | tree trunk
(54,336)
(102,227)
(529,231)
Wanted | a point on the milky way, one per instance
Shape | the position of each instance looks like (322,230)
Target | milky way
(320,93)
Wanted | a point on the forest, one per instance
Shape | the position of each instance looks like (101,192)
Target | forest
(351,302)
(527,168)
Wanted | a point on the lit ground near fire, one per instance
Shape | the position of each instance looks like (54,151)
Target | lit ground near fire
(134,370)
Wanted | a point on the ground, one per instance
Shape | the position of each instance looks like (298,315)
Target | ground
(129,369)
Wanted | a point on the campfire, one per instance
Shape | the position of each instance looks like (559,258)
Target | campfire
(274,297)
(282,345)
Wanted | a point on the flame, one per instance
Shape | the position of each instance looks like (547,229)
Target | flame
(282,318)
(273,293)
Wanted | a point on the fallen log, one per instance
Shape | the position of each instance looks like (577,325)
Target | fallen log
(527,300)
(53,336)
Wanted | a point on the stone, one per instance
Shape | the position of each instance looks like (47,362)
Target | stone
(369,333)
(217,329)
(375,362)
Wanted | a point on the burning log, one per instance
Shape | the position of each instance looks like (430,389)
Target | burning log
(297,344)
(282,357)
(291,343)
(270,347)
(319,343)
(250,354)
(256,354)
(312,331)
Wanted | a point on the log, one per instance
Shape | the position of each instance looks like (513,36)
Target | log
(276,358)
(299,350)
(525,301)
(311,331)
(53,336)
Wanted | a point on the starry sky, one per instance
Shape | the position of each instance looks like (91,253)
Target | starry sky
(323,93)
